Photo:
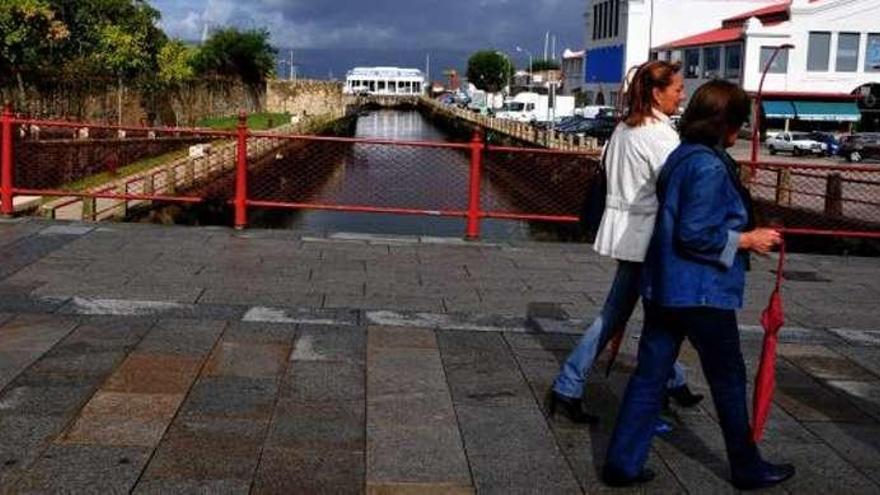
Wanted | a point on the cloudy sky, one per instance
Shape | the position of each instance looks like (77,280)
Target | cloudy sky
(386,24)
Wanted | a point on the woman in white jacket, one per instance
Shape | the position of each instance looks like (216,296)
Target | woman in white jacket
(633,158)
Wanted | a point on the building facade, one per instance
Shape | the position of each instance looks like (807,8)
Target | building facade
(572,71)
(619,34)
(384,81)
(830,74)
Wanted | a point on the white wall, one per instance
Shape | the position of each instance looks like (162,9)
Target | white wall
(672,20)
(862,16)
(677,19)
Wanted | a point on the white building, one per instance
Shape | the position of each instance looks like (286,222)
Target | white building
(620,33)
(572,71)
(384,81)
(831,75)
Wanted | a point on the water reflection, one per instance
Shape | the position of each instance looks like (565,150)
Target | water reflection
(378,175)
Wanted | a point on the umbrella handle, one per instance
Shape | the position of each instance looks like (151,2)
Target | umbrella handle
(780,265)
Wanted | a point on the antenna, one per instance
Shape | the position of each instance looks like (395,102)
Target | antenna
(546,42)
(428,68)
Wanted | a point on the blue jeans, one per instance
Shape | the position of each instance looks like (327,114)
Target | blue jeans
(715,336)
(618,308)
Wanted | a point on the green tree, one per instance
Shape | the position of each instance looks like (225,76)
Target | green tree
(176,75)
(96,25)
(176,62)
(28,32)
(247,55)
(489,70)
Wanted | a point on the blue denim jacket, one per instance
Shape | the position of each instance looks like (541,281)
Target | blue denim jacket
(693,259)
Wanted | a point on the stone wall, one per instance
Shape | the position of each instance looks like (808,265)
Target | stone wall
(96,101)
(305,97)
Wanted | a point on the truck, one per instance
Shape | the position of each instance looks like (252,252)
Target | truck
(534,107)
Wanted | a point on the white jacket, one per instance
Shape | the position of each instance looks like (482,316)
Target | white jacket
(634,156)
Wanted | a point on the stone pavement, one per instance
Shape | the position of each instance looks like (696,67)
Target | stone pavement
(147,359)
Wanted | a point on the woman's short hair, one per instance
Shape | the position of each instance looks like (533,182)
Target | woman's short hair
(639,96)
(716,109)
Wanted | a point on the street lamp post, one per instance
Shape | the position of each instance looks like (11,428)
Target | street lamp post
(520,50)
(757,118)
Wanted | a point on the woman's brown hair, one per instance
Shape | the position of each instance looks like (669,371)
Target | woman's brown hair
(716,109)
(639,96)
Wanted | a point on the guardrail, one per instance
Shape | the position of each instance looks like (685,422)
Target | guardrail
(473,181)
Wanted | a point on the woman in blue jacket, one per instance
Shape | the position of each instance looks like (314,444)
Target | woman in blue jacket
(692,284)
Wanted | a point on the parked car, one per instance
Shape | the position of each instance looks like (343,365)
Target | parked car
(857,147)
(600,127)
(797,143)
(831,142)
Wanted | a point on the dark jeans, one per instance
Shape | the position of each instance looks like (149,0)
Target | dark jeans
(715,335)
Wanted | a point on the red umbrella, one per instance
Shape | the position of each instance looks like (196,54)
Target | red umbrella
(615,349)
(772,320)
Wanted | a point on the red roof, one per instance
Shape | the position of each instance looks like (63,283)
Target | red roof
(715,36)
(779,8)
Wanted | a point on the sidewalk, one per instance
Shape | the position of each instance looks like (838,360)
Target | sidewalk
(174,360)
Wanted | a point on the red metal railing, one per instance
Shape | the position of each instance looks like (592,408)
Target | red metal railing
(471,181)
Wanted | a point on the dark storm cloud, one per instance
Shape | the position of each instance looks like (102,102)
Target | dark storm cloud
(387,24)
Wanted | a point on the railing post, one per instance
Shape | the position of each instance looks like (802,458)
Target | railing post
(783,187)
(241,174)
(834,195)
(473,218)
(6,206)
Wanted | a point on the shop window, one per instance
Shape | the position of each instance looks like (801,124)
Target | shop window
(711,62)
(732,61)
(692,64)
(872,53)
(780,63)
(818,52)
(848,52)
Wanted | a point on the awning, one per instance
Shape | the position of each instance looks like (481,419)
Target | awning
(827,111)
(778,110)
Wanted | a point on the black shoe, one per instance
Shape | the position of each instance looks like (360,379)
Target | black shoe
(570,407)
(684,397)
(613,477)
(768,475)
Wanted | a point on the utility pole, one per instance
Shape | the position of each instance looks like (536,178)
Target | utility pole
(291,65)
(428,71)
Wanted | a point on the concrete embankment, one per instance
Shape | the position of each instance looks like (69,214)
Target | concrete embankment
(179,176)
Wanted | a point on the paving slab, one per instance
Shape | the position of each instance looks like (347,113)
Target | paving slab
(23,339)
(84,469)
(412,432)
(123,419)
(497,413)
(300,399)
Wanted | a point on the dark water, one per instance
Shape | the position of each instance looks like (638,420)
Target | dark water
(378,175)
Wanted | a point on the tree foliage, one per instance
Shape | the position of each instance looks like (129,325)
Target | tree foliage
(176,62)
(233,53)
(489,70)
(28,32)
(544,64)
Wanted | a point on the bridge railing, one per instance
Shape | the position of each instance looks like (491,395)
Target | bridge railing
(816,198)
(246,171)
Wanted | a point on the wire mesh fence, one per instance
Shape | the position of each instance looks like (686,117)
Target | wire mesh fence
(819,197)
(536,182)
(80,171)
(359,173)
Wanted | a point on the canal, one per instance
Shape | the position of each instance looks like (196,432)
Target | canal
(379,175)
